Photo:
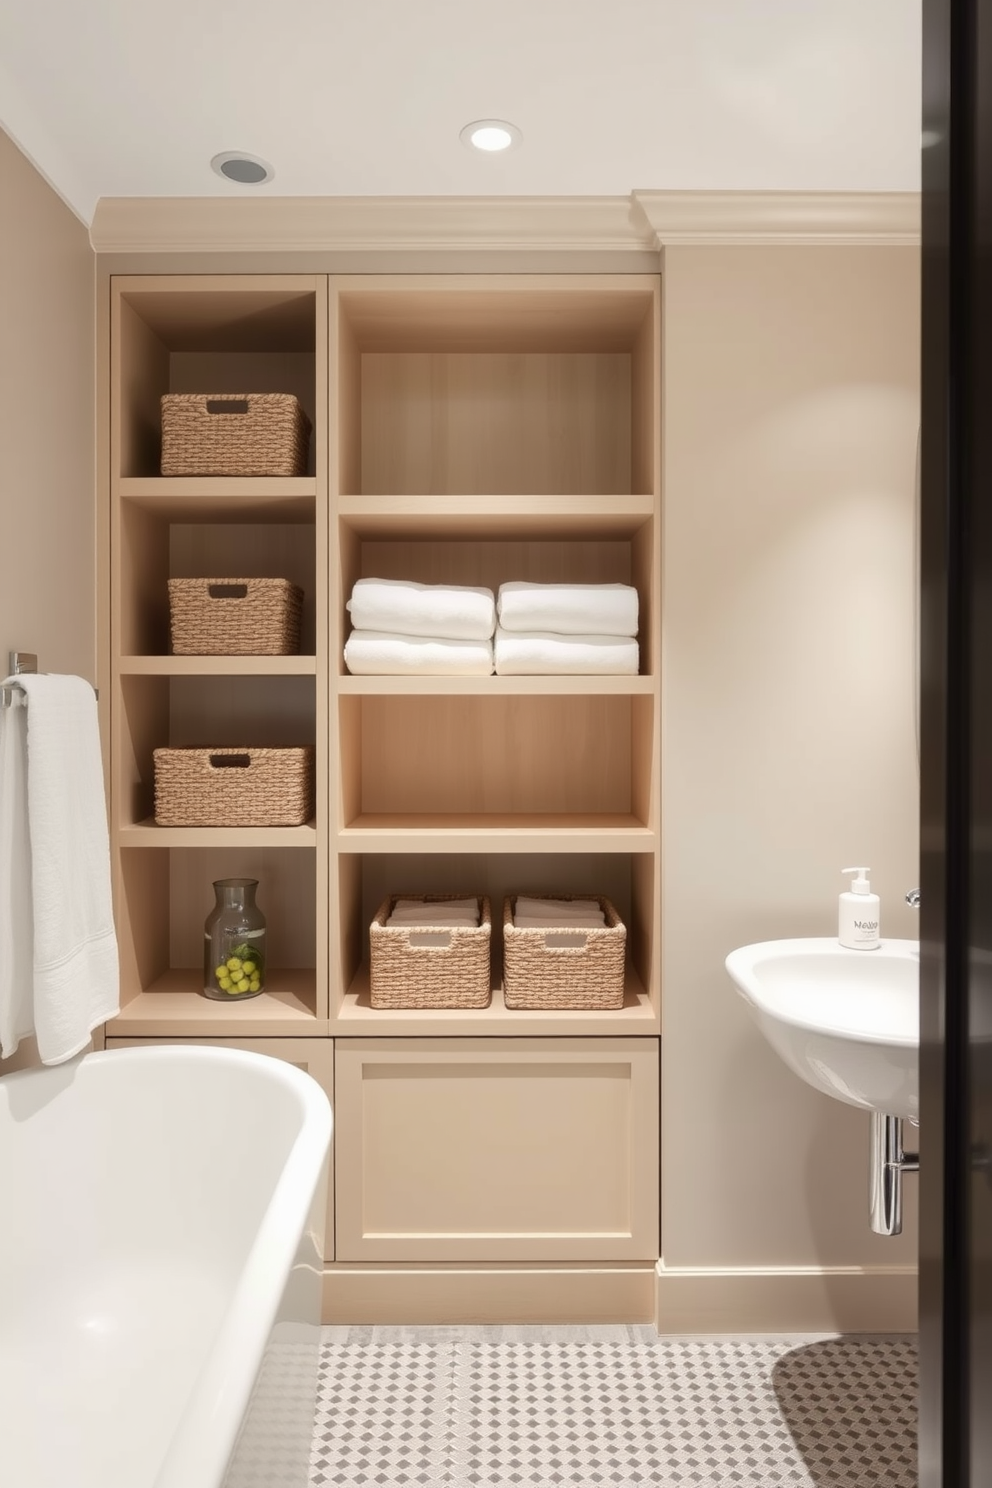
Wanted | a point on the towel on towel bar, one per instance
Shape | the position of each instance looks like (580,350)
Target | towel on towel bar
(75,978)
(569,609)
(545,654)
(439,611)
(16,937)
(374,653)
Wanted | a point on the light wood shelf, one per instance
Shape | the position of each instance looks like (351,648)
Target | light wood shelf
(552,833)
(174,1004)
(222,498)
(357,1017)
(494,686)
(467,516)
(217,666)
(148,834)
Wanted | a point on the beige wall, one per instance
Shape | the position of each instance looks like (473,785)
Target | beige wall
(47,279)
(47,501)
(790,425)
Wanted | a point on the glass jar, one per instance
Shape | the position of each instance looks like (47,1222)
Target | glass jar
(234,942)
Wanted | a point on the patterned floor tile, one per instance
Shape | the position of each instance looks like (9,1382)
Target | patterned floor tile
(618,1407)
(383,1414)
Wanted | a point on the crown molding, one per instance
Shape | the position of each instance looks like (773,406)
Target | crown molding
(643,222)
(369,224)
(697,218)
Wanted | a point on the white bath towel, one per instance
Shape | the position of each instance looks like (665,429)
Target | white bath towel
(527,905)
(544,654)
(371,653)
(569,609)
(76,980)
(440,611)
(16,927)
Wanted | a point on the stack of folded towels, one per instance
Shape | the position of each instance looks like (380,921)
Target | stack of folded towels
(558,629)
(558,914)
(445,912)
(424,629)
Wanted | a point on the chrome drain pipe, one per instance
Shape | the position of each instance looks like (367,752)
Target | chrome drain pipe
(888,1163)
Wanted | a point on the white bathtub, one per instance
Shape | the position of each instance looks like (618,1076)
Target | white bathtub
(161,1234)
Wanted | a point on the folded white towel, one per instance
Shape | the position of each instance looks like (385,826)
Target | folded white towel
(545,654)
(76,982)
(569,609)
(16,923)
(528,905)
(453,922)
(447,905)
(557,922)
(373,653)
(377,653)
(441,611)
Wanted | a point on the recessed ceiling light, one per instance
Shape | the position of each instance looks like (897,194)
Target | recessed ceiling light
(491,136)
(246,170)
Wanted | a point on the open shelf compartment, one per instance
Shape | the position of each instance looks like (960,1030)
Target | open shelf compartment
(503,384)
(205,712)
(208,334)
(568,760)
(165,894)
(478,555)
(629,881)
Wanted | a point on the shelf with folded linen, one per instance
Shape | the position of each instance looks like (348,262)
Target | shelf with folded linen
(404,627)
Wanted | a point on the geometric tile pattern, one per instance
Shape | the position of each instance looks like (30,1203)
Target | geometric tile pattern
(618,1407)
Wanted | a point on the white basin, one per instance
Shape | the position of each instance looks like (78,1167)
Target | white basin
(847,1022)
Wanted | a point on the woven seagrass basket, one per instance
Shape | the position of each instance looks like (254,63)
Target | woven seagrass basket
(419,967)
(234,617)
(234,434)
(233,787)
(574,969)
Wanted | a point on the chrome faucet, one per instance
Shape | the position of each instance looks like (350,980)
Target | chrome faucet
(913,898)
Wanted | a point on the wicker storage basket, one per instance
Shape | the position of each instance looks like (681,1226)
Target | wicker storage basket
(233,787)
(234,434)
(417,967)
(234,617)
(537,973)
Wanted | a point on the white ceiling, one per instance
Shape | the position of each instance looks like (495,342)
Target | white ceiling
(129,98)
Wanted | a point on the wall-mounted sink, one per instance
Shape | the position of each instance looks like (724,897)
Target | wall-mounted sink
(847,1022)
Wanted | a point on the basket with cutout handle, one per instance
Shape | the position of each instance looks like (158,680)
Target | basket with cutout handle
(234,617)
(234,434)
(233,787)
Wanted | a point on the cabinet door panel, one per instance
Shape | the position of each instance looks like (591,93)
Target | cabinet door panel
(497,1149)
(315,1056)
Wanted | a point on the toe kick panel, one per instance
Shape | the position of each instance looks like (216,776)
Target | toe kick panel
(496,1149)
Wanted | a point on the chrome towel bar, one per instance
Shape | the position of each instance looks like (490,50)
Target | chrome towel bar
(18,662)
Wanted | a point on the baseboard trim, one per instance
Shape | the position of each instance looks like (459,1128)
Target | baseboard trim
(799,1299)
(488,1294)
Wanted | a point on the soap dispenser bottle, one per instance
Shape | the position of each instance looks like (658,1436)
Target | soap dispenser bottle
(858,925)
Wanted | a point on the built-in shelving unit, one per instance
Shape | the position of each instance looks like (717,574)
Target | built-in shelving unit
(234,333)
(468,430)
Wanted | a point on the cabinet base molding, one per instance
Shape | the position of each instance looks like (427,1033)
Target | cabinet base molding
(795,1299)
(488,1294)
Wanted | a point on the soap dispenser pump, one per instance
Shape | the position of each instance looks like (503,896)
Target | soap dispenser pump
(858,923)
